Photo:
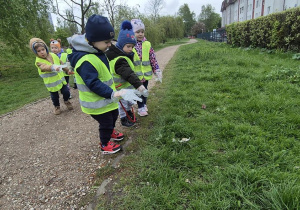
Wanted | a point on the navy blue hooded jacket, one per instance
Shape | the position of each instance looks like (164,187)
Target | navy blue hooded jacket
(87,71)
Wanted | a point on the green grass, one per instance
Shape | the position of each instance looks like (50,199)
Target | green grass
(20,83)
(171,42)
(244,147)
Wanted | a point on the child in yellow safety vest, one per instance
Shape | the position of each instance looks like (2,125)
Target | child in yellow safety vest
(97,93)
(122,68)
(55,47)
(69,51)
(49,68)
(145,61)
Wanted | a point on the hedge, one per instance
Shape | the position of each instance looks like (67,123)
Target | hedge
(279,31)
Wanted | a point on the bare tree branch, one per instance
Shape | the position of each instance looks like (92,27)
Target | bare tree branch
(110,6)
(78,19)
(154,7)
(65,16)
(75,2)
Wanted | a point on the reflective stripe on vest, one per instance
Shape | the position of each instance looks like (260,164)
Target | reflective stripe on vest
(90,102)
(48,75)
(63,58)
(84,88)
(96,104)
(137,63)
(50,85)
(52,80)
(143,67)
(120,83)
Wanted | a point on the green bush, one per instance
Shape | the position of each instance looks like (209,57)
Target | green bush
(279,31)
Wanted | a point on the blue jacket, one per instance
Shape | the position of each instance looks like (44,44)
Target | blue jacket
(87,71)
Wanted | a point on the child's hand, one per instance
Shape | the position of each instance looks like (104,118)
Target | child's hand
(55,68)
(158,74)
(142,91)
(70,72)
(126,94)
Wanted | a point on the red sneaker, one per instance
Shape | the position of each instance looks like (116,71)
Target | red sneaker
(117,136)
(110,148)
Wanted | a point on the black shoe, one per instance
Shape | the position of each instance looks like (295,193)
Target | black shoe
(131,115)
(126,122)
(75,86)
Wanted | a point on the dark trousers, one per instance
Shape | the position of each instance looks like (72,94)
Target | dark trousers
(107,123)
(142,104)
(55,96)
(67,78)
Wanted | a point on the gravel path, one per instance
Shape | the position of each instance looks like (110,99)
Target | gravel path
(49,161)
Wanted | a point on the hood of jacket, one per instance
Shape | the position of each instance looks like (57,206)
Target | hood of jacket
(80,48)
(114,52)
(33,41)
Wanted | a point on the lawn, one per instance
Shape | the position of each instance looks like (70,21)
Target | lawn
(20,83)
(240,108)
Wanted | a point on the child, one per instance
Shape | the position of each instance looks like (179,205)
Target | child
(97,94)
(55,46)
(145,61)
(49,69)
(121,58)
(69,51)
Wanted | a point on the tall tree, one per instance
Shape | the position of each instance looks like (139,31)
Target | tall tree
(188,18)
(154,7)
(198,28)
(20,20)
(65,29)
(79,9)
(208,16)
(111,8)
(124,12)
(173,26)
(96,9)
(70,27)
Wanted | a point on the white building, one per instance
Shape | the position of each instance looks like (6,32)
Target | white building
(241,10)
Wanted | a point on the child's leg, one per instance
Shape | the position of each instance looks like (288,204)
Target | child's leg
(75,85)
(124,119)
(65,91)
(107,122)
(146,86)
(142,104)
(121,110)
(68,84)
(55,98)
(66,95)
(67,78)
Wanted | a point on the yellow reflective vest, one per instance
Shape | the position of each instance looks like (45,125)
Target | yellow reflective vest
(69,51)
(92,103)
(52,80)
(63,58)
(142,67)
(120,83)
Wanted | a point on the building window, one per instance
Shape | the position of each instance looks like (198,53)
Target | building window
(241,10)
(268,10)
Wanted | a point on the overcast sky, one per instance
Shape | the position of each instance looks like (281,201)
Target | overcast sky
(171,7)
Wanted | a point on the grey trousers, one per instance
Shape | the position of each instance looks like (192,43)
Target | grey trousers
(127,105)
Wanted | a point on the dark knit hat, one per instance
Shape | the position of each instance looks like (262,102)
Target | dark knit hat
(126,35)
(98,28)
